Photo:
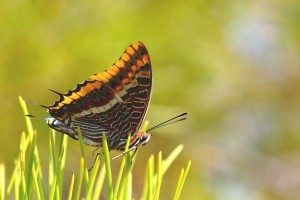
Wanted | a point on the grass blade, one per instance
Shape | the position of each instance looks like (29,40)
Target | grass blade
(86,173)
(41,183)
(12,180)
(93,178)
(36,184)
(52,157)
(99,183)
(110,191)
(30,166)
(149,194)
(2,181)
(171,158)
(181,181)
(71,187)
(80,177)
(159,176)
(27,119)
(128,177)
(63,152)
(17,183)
(22,188)
(119,178)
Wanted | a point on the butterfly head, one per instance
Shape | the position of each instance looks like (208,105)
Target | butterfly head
(143,137)
(59,126)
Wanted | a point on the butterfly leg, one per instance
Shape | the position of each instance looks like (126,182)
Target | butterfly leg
(95,151)
(135,150)
(98,154)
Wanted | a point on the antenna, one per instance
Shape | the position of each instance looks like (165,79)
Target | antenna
(165,123)
(170,121)
(125,152)
(38,117)
(34,103)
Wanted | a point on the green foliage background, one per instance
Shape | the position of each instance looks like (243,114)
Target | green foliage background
(232,65)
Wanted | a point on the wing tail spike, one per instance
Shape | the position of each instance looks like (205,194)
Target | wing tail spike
(29,115)
(38,117)
(47,107)
(59,94)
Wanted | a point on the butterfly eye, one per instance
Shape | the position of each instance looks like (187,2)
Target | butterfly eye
(145,138)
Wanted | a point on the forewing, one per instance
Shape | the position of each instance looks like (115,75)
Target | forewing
(114,101)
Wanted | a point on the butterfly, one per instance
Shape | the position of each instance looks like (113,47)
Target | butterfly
(113,102)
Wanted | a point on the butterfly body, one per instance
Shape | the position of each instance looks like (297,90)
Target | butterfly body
(113,102)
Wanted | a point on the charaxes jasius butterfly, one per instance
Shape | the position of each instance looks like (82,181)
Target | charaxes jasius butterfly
(113,102)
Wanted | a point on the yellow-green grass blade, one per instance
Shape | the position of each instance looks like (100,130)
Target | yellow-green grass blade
(30,166)
(17,182)
(36,184)
(22,188)
(128,177)
(2,181)
(99,183)
(86,173)
(169,160)
(159,176)
(71,187)
(150,169)
(27,119)
(80,177)
(63,152)
(52,158)
(12,180)
(108,168)
(119,178)
(93,174)
(181,181)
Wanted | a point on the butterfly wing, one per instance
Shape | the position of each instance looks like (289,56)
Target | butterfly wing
(113,102)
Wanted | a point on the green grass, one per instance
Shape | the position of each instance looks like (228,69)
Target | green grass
(27,180)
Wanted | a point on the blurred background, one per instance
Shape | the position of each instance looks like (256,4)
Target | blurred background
(232,65)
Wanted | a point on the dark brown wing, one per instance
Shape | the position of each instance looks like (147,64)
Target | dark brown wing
(114,101)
